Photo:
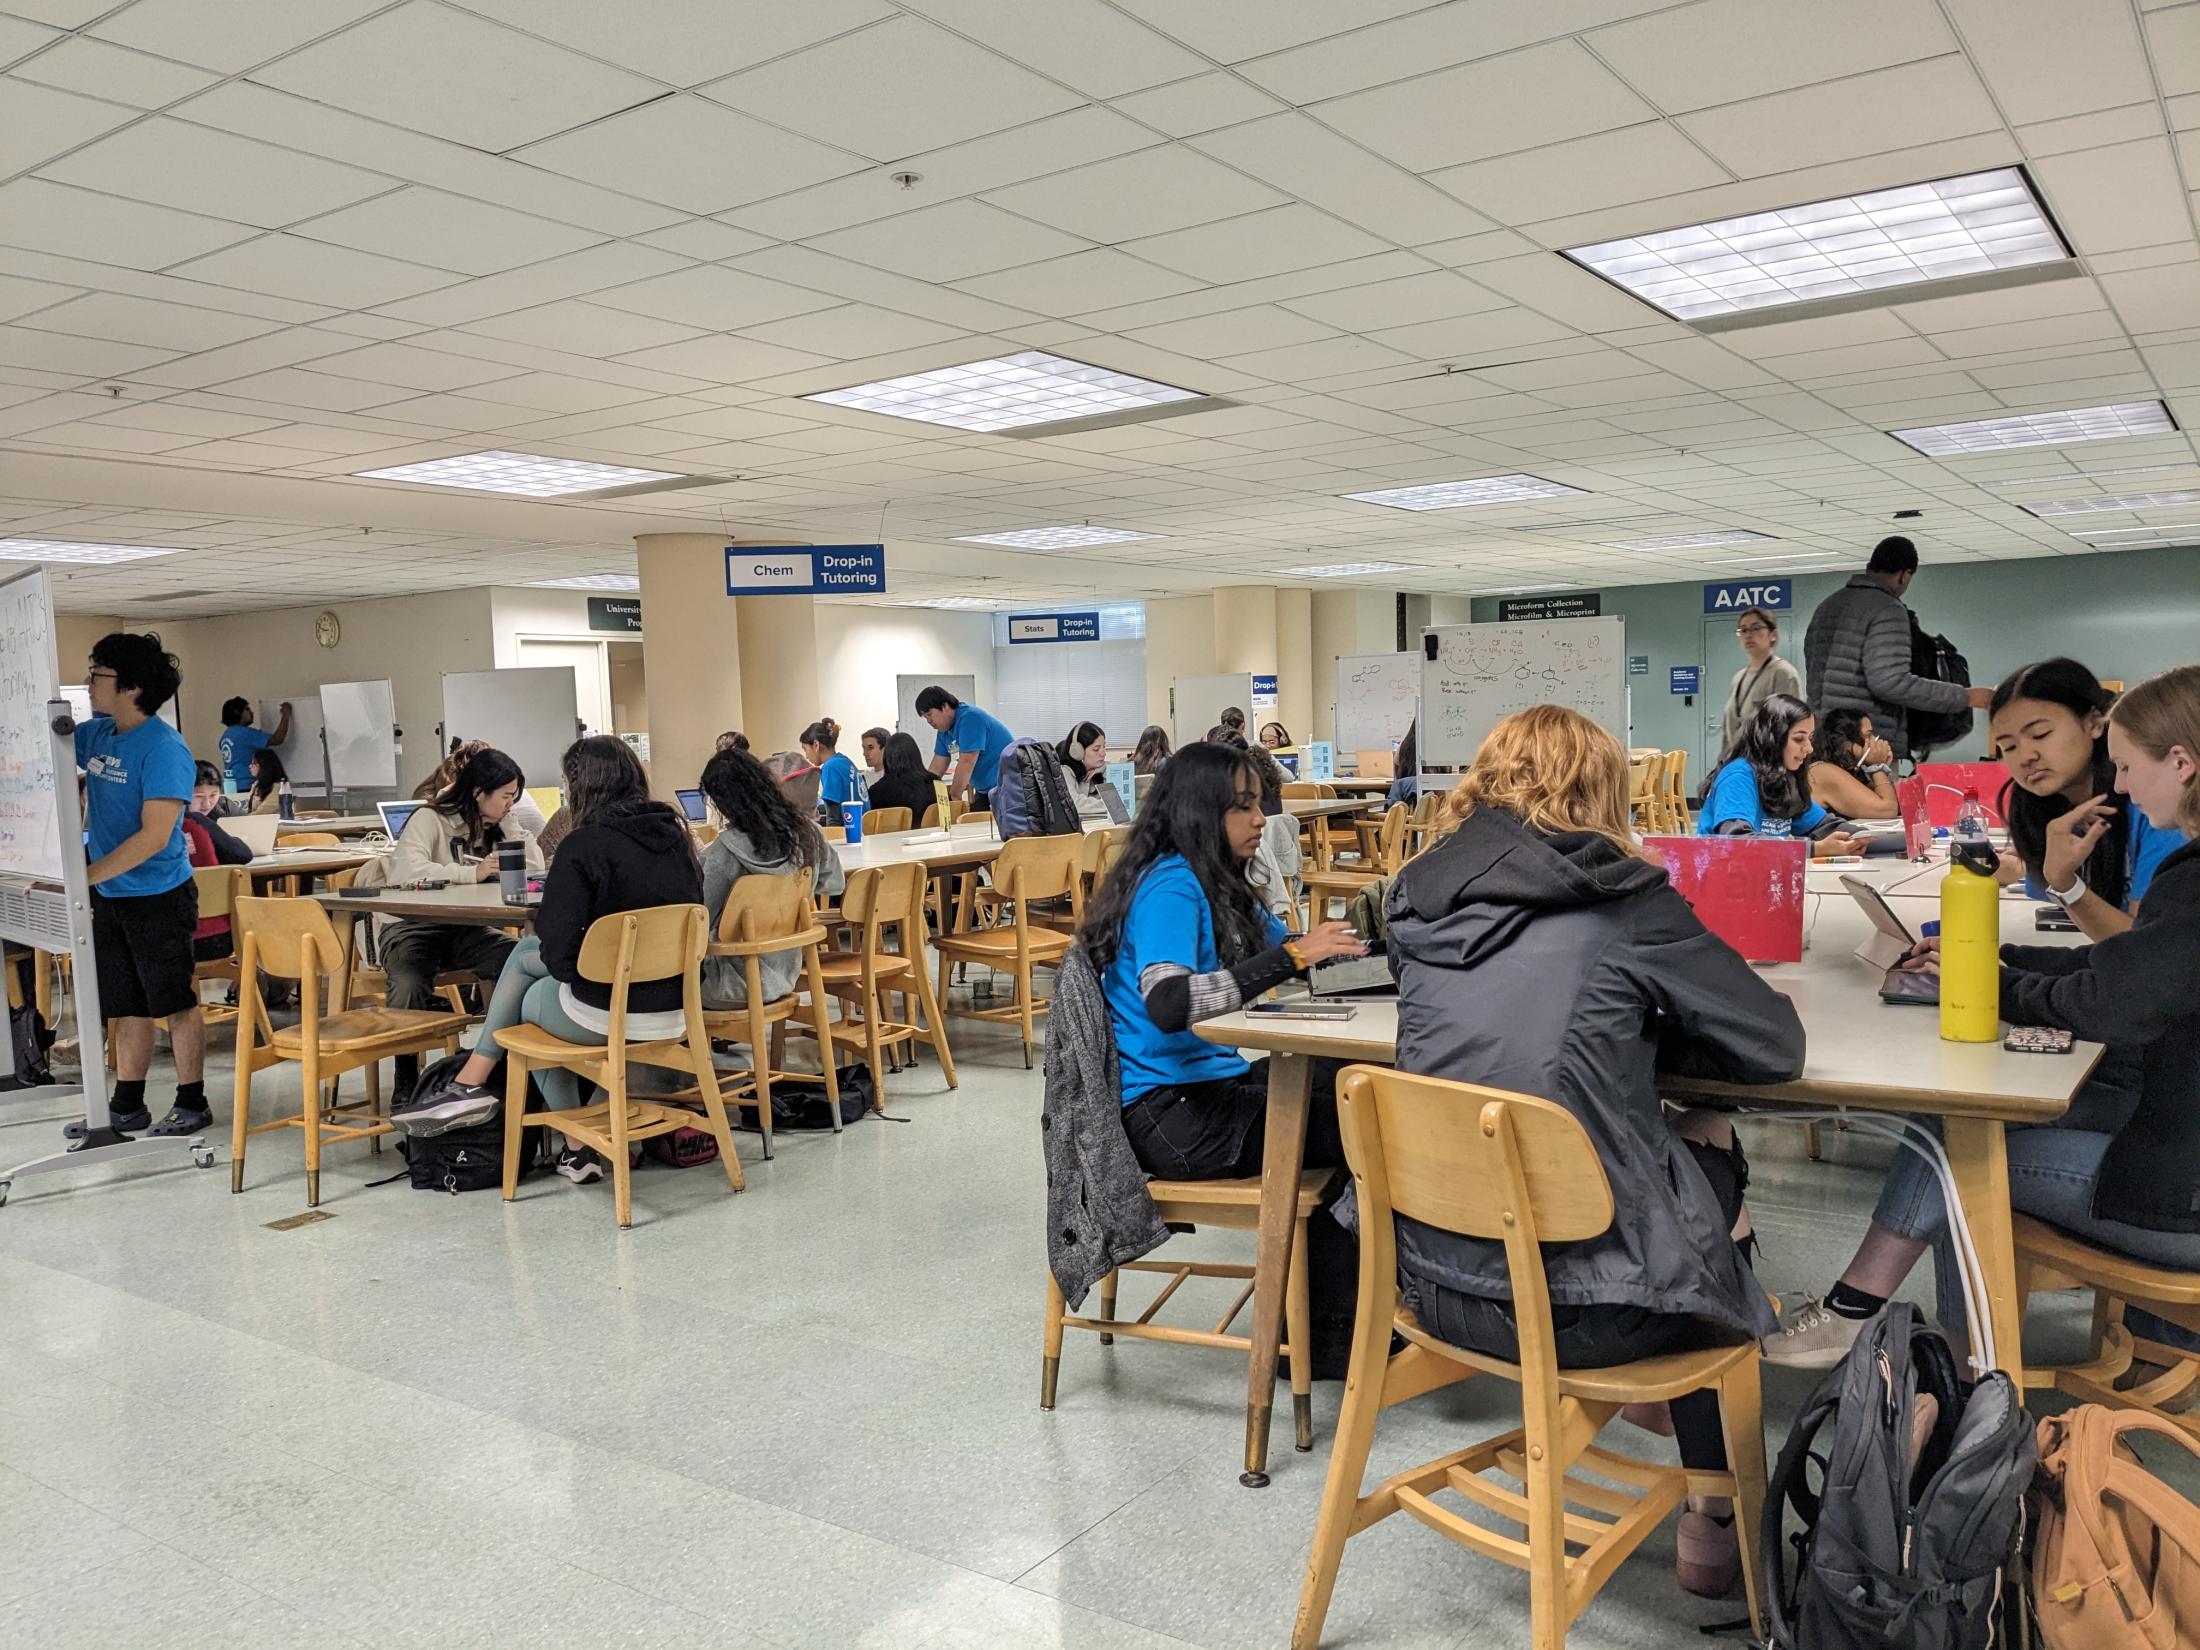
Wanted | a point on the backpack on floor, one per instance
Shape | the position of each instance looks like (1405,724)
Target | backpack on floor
(2116,1562)
(1935,658)
(1031,797)
(1899,1545)
(470,1159)
(31,1038)
(799,1103)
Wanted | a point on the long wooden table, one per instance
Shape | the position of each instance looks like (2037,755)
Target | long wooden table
(1861,1053)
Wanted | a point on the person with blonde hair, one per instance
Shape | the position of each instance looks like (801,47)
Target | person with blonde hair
(2115,1170)
(1537,950)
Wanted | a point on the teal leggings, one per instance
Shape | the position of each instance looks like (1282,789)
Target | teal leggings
(526,994)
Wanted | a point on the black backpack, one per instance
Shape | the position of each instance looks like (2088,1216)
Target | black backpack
(31,1038)
(471,1159)
(1031,798)
(799,1103)
(1935,658)
(1896,1549)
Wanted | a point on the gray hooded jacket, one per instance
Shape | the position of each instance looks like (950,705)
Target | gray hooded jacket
(1560,967)
(730,857)
(1858,653)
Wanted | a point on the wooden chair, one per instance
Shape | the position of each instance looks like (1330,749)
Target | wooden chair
(1673,794)
(885,821)
(662,942)
(1645,783)
(220,887)
(886,903)
(1233,1205)
(1505,1167)
(293,939)
(770,914)
(933,819)
(1029,869)
(1101,848)
(2048,1258)
(291,887)
(1343,882)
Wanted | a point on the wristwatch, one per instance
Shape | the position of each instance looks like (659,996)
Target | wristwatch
(2067,897)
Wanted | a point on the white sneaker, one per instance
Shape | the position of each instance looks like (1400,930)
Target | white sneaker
(580,1167)
(1817,1337)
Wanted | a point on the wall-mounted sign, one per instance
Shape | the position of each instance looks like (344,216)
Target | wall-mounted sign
(620,613)
(1264,693)
(1054,627)
(1773,595)
(1687,678)
(1638,664)
(806,570)
(1518,609)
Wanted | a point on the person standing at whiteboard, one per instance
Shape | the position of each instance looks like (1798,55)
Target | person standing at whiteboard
(138,778)
(1763,673)
(241,741)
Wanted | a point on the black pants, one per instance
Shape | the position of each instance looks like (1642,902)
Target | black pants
(1600,1335)
(414,953)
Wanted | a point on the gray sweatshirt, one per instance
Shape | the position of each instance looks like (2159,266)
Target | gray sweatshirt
(730,857)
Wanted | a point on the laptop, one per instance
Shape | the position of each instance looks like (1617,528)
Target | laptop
(395,814)
(693,805)
(255,831)
(1112,800)
(1889,943)
(1367,976)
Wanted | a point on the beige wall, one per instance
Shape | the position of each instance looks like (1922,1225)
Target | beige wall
(1345,623)
(522,612)
(1180,641)
(73,636)
(860,650)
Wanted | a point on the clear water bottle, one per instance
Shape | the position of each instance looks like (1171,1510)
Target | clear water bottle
(1971,819)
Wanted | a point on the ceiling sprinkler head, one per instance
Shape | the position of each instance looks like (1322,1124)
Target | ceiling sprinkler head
(908,180)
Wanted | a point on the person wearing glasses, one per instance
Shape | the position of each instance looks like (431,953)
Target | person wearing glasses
(1763,673)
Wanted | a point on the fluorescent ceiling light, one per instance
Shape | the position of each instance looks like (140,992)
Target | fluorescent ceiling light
(2124,532)
(1752,561)
(89,555)
(2088,475)
(1457,495)
(589,581)
(1057,538)
(2128,501)
(2048,429)
(1007,393)
(1526,590)
(1922,232)
(1344,569)
(944,601)
(524,474)
(1690,541)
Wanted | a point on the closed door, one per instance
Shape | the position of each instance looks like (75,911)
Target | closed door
(591,676)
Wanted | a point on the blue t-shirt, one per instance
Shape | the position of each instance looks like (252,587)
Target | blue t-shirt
(837,781)
(122,772)
(2145,847)
(1169,921)
(987,735)
(1734,795)
(238,746)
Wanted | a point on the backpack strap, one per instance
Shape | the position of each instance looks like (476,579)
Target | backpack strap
(2096,1474)
(1789,1485)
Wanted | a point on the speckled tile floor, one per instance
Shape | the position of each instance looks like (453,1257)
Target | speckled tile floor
(804,1416)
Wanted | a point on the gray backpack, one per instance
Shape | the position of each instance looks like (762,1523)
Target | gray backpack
(1899,1545)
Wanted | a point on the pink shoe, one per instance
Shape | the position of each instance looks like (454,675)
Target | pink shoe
(1709,1555)
(1654,1418)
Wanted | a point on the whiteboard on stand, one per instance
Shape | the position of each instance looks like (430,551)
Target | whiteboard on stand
(1476,675)
(530,715)
(360,719)
(1378,695)
(302,755)
(30,801)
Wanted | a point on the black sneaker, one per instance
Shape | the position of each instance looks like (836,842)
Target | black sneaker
(455,1106)
(580,1167)
(122,1122)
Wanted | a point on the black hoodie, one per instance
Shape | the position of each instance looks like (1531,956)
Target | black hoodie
(1561,967)
(623,858)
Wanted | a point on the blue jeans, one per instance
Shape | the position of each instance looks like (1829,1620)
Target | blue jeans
(2053,1173)
(526,994)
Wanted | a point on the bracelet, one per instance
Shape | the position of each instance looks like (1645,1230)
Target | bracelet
(1880,767)
(1298,958)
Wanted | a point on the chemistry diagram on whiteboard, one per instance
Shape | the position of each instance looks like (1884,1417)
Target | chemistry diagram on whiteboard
(1476,675)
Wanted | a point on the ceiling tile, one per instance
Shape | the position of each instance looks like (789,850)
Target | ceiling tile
(806,267)
(77,223)
(2173,41)
(2156,300)
(1635,163)
(1147,193)
(1233,332)
(1260,243)
(2046,58)
(67,354)
(1525,99)
(313,272)
(1472,337)
(948,242)
(1435,296)
(144,321)
(19,38)
(1075,285)
(692,154)
(1764,48)
(231,36)
(1200,104)
(431,227)
(424,66)
(62,14)
(724,359)
(1082,43)
(1308,160)
(704,239)
(902,67)
(557,393)
(2092,131)
(411,368)
(173,163)
(1434,37)
(682,42)
(1323,358)
(853,332)
(255,355)
(566,277)
(1232,30)
(713,298)
(583,328)
(2127,195)
(1864,115)
(97,69)
(38,122)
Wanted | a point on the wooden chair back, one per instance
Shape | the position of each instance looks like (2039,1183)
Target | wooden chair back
(883,894)
(1101,847)
(1308,790)
(220,887)
(293,938)
(885,821)
(765,908)
(933,818)
(660,942)
(1645,777)
(308,839)
(972,816)
(1391,843)
(1037,867)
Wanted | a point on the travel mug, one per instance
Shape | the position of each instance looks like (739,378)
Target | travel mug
(512,871)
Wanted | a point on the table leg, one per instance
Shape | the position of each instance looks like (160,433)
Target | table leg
(1978,1158)
(1283,1150)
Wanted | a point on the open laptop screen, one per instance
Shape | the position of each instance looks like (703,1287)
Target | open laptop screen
(395,814)
(691,804)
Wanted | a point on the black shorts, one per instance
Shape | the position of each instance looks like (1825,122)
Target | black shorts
(143,944)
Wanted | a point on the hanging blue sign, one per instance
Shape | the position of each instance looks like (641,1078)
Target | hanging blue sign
(1264,692)
(1773,595)
(1054,627)
(806,570)
(1687,678)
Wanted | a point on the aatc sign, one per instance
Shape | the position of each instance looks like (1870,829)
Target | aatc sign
(806,570)
(1773,595)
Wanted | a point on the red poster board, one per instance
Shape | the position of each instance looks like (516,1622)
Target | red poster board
(1917,825)
(1945,783)
(1747,890)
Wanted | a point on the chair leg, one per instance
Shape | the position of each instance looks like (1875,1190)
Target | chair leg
(311,1080)
(933,1022)
(760,1072)
(1811,1143)
(1298,1319)
(1051,1365)
(622,1166)
(874,1018)
(1027,986)
(1741,1418)
(714,1112)
(373,1080)
(515,1120)
(240,1104)
(1107,1304)
(1546,1526)
(1363,1404)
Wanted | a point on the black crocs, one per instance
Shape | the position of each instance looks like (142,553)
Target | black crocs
(183,1120)
(122,1122)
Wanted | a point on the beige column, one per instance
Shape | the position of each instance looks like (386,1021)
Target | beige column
(1295,683)
(779,689)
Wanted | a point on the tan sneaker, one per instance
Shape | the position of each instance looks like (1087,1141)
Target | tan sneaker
(1817,1337)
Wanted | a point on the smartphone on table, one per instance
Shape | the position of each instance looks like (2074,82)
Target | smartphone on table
(2037,1040)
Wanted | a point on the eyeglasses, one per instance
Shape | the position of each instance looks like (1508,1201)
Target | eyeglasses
(91,676)
(1753,630)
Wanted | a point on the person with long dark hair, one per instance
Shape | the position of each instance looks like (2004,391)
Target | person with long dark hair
(625,852)
(1083,754)
(1405,773)
(1153,749)
(2073,836)
(268,779)
(1178,935)
(768,836)
(1851,769)
(1757,789)
(1274,736)
(906,782)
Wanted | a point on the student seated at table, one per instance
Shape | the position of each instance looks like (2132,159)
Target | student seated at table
(1275,867)
(731,741)
(1537,951)
(765,835)
(625,852)
(1851,769)
(906,782)
(2120,1168)
(1151,750)
(1757,789)
(206,812)
(1405,784)
(1178,935)
(2073,836)
(1084,758)
(1274,736)
(874,754)
(838,780)
(268,779)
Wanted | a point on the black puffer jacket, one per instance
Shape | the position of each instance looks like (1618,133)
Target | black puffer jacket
(1560,967)
(623,858)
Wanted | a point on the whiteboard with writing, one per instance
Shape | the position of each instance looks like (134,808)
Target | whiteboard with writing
(1378,695)
(301,752)
(30,807)
(1482,673)
(360,719)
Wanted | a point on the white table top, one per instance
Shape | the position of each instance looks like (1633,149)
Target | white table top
(469,901)
(341,825)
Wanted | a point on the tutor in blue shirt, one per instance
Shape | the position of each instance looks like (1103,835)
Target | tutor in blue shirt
(986,735)
(838,781)
(238,746)
(2145,847)
(1734,796)
(1169,921)
(122,772)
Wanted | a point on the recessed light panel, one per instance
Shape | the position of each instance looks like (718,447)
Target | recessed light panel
(2129,501)
(1689,541)
(944,601)
(1057,538)
(2090,533)
(1007,393)
(589,581)
(2048,429)
(1458,495)
(1922,232)
(525,475)
(1344,569)
(2087,475)
(87,555)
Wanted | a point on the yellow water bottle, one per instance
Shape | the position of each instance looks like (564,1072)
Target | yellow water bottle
(1970,934)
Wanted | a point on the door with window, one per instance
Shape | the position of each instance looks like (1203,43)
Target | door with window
(1723,656)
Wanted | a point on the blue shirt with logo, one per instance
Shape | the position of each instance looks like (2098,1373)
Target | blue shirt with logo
(837,781)
(238,746)
(123,772)
(986,735)
(1734,796)
(1169,921)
